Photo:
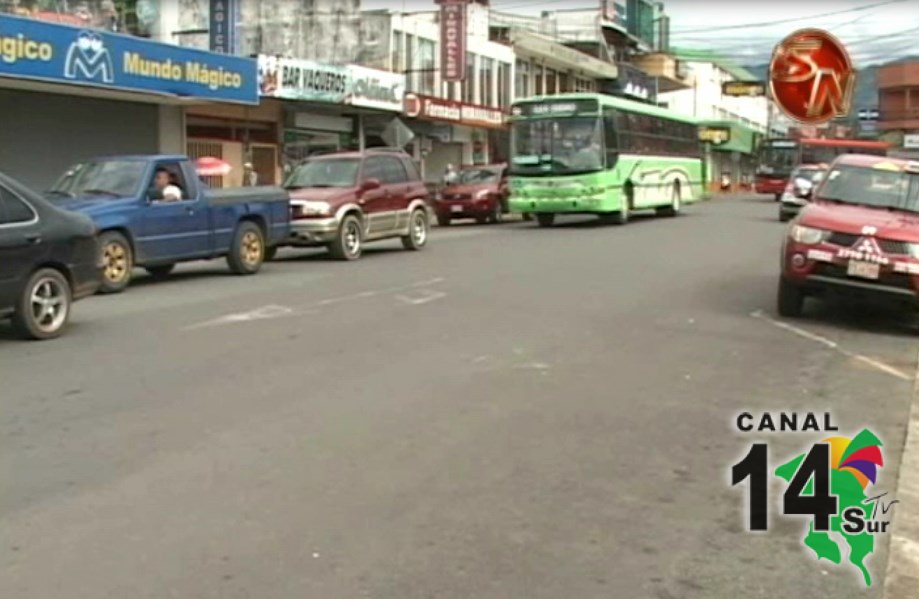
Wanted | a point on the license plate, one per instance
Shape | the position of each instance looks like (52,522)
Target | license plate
(865,270)
(456,208)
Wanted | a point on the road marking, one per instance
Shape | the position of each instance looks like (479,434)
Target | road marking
(426,295)
(876,364)
(275,311)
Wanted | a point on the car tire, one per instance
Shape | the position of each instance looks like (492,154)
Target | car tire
(247,253)
(443,221)
(43,308)
(790,299)
(270,253)
(349,242)
(497,213)
(418,231)
(784,217)
(117,260)
(160,272)
(545,219)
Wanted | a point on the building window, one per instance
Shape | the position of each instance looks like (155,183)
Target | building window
(504,84)
(410,62)
(551,82)
(486,87)
(398,56)
(538,80)
(564,82)
(469,82)
(522,84)
(426,65)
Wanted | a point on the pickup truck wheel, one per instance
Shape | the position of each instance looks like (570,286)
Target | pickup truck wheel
(43,306)
(160,272)
(417,232)
(117,260)
(349,242)
(248,250)
(790,299)
(270,253)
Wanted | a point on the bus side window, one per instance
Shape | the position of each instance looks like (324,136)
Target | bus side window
(610,139)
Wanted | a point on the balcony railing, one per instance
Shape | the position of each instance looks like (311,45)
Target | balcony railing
(907,114)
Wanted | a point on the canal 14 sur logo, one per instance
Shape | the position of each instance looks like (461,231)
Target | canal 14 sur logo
(829,483)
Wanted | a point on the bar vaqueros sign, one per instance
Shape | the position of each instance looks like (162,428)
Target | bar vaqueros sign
(32,49)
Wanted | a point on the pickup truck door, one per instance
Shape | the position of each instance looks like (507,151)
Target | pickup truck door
(176,230)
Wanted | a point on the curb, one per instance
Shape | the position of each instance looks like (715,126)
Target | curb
(902,577)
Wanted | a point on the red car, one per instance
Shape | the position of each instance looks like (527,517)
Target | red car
(859,235)
(344,199)
(480,192)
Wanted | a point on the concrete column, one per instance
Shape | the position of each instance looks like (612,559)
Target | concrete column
(171,130)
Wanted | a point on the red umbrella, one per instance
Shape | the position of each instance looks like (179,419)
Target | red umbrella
(208,166)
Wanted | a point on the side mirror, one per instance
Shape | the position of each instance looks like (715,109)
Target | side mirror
(370,184)
(155,195)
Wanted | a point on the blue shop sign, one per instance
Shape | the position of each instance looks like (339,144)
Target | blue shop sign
(32,49)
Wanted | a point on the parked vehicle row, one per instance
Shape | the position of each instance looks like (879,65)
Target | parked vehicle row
(858,236)
(106,216)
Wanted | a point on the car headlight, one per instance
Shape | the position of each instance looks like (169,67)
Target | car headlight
(315,209)
(807,235)
(914,250)
(482,194)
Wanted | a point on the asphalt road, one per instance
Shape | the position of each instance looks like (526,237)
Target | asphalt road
(513,412)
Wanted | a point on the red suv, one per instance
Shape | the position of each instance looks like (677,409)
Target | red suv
(344,199)
(859,234)
(479,192)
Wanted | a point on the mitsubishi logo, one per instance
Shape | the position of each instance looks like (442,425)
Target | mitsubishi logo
(867,245)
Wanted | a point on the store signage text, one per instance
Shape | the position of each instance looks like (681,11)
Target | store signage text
(453,39)
(32,49)
(371,88)
(295,79)
(743,88)
(911,140)
(715,135)
(439,109)
(554,108)
(224,17)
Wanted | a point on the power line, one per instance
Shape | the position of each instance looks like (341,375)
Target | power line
(791,20)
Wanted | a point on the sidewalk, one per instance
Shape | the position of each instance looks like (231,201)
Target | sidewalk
(902,579)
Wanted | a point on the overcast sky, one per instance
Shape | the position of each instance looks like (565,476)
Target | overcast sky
(880,31)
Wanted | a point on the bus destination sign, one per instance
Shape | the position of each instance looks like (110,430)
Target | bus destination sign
(558,108)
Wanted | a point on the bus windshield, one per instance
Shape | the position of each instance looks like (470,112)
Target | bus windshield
(778,160)
(561,146)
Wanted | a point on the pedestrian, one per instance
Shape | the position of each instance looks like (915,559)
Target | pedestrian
(450,175)
(250,177)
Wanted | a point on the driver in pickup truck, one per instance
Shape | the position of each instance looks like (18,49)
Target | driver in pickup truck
(164,182)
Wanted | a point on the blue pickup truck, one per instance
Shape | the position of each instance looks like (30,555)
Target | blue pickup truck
(154,211)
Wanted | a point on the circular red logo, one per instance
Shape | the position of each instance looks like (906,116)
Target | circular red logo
(811,76)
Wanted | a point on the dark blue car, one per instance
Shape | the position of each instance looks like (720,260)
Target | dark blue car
(141,223)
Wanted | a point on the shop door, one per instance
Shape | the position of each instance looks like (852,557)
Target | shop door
(264,163)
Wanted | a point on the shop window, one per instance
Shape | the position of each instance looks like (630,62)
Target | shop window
(398,56)
(13,210)
(426,66)
(551,82)
(410,62)
(504,84)
(523,80)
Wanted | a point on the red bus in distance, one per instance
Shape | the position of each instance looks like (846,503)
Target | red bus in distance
(778,157)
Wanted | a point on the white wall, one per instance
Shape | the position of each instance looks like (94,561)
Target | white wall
(705,101)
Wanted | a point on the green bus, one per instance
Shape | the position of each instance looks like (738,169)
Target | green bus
(603,155)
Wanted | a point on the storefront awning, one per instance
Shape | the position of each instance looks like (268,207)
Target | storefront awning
(546,49)
(50,53)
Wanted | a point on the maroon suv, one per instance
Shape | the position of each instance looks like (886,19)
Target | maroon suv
(479,192)
(342,200)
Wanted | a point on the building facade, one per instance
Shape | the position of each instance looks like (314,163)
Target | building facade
(102,92)
(898,106)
